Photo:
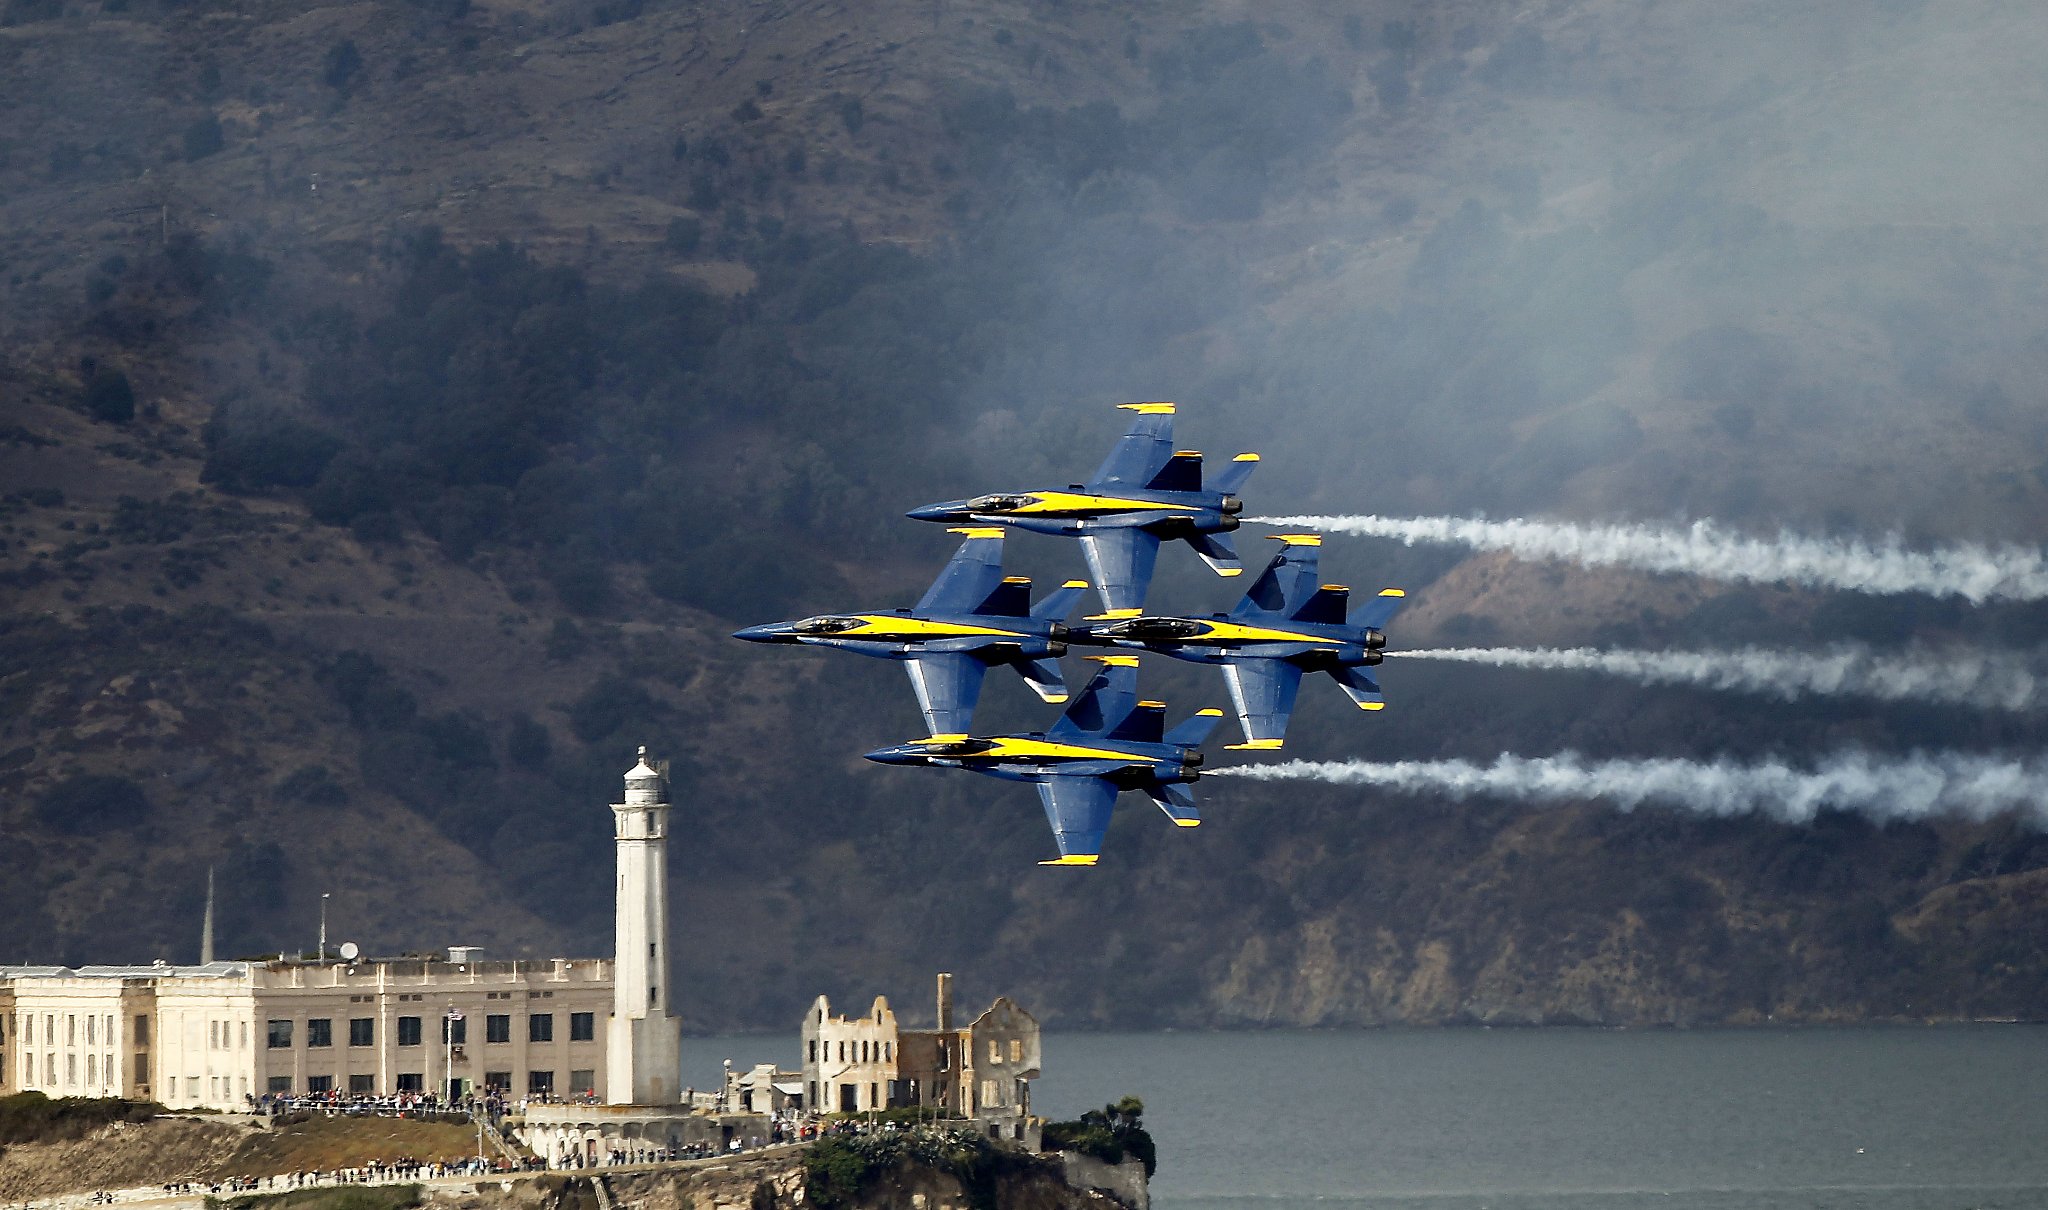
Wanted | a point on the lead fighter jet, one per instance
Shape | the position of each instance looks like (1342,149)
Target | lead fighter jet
(1107,742)
(971,619)
(1144,493)
(1288,624)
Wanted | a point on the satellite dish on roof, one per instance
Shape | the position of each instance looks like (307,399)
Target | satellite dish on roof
(350,951)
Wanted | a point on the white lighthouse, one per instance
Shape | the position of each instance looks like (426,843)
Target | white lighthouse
(643,1057)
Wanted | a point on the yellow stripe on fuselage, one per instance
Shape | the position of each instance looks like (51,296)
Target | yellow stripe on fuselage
(896,626)
(1225,631)
(1073,859)
(1079,504)
(1045,749)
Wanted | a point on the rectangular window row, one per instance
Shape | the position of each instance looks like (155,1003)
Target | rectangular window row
(362,1031)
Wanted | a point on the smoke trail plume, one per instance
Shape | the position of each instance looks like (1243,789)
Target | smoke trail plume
(1914,787)
(1987,680)
(1976,573)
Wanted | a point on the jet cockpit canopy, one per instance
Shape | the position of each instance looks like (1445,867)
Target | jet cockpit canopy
(827,624)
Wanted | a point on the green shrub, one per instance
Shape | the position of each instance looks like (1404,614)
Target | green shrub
(109,397)
(1109,1134)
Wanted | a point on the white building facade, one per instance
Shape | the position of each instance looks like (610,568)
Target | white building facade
(221,1035)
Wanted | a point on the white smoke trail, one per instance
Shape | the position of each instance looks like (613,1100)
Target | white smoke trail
(1915,787)
(1974,572)
(1987,680)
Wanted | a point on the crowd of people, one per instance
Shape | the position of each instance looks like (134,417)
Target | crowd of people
(491,1104)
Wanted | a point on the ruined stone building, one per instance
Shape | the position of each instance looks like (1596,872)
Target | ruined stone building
(982,1070)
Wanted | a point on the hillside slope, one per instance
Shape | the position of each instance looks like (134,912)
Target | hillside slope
(399,401)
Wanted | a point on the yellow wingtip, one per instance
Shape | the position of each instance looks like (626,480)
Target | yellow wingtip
(1055,698)
(1210,712)
(978,531)
(1073,859)
(1075,584)
(1158,408)
(1392,592)
(1116,661)
(1153,705)
(1187,823)
(1246,458)
(1372,705)
(1016,579)
(1297,539)
(1257,745)
(1228,572)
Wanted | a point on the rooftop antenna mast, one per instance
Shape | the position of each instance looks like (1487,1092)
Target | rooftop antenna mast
(206,926)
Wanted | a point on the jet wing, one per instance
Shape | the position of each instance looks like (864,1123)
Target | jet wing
(1264,692)
(1078,809)
(974,573)
(1141,453)
(1121,560)
(948,683)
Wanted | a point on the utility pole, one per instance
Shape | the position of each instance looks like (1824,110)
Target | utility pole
(324,897)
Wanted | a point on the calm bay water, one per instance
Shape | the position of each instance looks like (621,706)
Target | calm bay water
(1814,1119)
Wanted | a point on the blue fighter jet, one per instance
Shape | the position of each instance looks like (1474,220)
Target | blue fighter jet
(1145,493)
(972,618)
(1288,624)
(1107,742)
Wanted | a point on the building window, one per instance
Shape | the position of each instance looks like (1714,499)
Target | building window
(411,1081)
(498,1027)
(362,1031)
(319,1083)
(50,1070)
(319,1031)
(90,1022)
(362,1084)
(280,1035)
(498,1081)
(142,1030)
(540,1027)
(408,1031)
(995,1051)
(988,1094)
(814,1050)
(245,1035)
(540,1083)
(278,1084)
(192,1087)
(1016,1050)
(582,1027)
(583,1083)
(888,1052)
(142,1068)
(70,1029)
(92,1068)
(842,1050)
(455,1030)
(70,1071)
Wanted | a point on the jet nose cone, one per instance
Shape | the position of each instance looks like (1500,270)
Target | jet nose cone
(938,512)
(902,754)
(772,632)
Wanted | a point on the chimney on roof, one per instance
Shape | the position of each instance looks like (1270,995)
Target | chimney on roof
(945,1002)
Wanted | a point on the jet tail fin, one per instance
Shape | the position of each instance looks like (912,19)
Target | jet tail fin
(1182,473)
(1010,598)
(1178,801)
(1218,553)
(1376,613)
(1232,477)
(1059,602)
(1196,729)
(1359,686)
(1326,605)
(1045,679)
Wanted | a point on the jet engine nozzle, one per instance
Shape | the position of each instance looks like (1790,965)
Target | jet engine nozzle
(1055,649)
(1193,760)
(1232,505)
(1059,631)
(1374,640)
(1374,658)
